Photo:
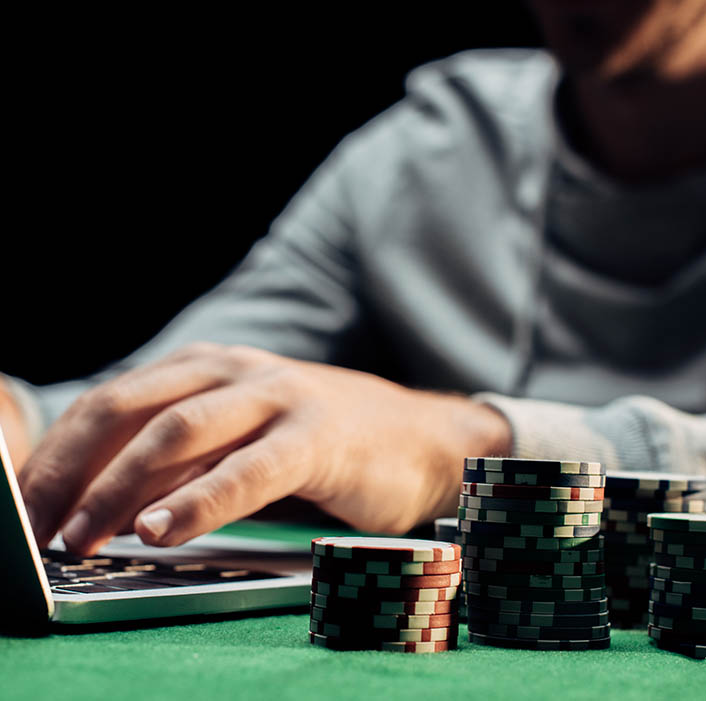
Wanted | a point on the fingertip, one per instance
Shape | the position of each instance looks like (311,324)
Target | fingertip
(154,526)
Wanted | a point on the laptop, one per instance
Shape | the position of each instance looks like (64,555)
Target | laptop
(129,581)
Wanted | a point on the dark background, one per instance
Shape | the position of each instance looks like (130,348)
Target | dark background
(147,154)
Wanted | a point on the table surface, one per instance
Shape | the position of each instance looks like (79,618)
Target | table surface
(269,657)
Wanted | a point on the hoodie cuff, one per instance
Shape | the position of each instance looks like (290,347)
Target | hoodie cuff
(637,433)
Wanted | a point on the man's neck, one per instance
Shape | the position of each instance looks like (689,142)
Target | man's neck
(642,127)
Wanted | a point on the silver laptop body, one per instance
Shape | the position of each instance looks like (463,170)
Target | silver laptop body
(241,574)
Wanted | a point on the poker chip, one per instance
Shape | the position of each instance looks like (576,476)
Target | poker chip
(537,620)
(680,574)
(680,561)
(683,537)
(333,643)
(533,479)
(655,482)
(525,530)
(678,587)
(539,467)
(391,594)
(532,555)
(387,581)
(446,529)
(499,592)
(527,543)
(544,581)
(386,549)
(531,493)
(680,626)
(691,523)
(378,621)
(695,613)
(536,633)
(550,608)
(541,506)
(529,517)
(685,503)
(538,568)
(630,499)
(522,644)
(366,593)
(677,599)
(412,635)
(696,551)
(384,607)
(380,567)
(675,643)
(694,650)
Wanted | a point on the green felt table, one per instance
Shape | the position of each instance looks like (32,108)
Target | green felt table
(268,656)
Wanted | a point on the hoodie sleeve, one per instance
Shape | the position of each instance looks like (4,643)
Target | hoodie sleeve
(630,433)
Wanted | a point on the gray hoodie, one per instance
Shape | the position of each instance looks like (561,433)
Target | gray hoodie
(456,242)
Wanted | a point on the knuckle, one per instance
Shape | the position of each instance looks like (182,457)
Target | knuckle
(173,425)
(103,403)
(214,500)
(261,468)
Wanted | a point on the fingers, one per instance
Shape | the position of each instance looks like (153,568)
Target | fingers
(98,425)
(171,448)
(239,485)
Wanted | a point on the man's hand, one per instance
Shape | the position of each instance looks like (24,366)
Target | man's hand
(14,427)
(212,434)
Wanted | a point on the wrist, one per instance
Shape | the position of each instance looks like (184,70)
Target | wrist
(473,430)
(495,439)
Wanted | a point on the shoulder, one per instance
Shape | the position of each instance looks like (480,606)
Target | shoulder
(491,106)
(493,74)
(508,87)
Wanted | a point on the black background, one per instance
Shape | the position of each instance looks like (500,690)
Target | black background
(147,154)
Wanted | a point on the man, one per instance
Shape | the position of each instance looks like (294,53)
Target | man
(533,236)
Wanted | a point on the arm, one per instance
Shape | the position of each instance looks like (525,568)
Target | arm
(182,437)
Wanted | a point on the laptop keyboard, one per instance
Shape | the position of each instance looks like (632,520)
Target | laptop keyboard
(69,574)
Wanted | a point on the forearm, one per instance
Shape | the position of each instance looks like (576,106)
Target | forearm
(630,433)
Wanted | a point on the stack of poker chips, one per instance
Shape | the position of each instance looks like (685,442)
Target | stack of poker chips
(629,498)
(533,556)
(677,607)
(446,529)
(390,594)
